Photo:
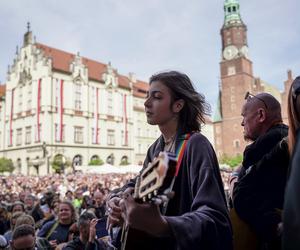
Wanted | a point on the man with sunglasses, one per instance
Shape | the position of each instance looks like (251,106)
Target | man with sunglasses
(252,190)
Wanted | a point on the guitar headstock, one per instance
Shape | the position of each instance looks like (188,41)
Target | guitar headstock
(156,178)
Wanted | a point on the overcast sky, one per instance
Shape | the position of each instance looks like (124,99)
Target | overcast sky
(146,36)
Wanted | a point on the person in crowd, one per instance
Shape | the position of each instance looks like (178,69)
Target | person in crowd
(196,217)
(13,219)
(78,199)
(26,219)
(3,243)
(258,192)
(69,195)
(29,203)
(99,203)
(87,234)
(23,238)
(57,231)
(4,220)
(17,206)
(291,217)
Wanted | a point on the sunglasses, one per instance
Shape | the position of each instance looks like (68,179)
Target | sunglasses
(296,87)
(249,96)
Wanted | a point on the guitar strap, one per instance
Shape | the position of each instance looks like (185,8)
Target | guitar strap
(180,151)
(179,155)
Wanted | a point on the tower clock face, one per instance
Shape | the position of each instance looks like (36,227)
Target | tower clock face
(230,52)
(245,51)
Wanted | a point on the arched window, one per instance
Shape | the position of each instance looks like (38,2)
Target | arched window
(77,160)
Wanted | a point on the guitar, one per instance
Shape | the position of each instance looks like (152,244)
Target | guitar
(153,184)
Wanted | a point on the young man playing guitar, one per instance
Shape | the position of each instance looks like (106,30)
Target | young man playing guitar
(196,217)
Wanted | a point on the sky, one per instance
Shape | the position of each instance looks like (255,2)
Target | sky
(148,36)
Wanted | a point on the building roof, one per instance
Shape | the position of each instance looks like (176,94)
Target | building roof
(2,90)
(218,112)
(140,89)
(61,61)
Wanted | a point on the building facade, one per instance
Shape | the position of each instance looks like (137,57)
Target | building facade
(57,106)
(236,79)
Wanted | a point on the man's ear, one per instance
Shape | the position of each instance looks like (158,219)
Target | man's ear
(262,115)
(178,105)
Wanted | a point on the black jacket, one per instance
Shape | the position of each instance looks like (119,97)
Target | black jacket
(258,195)
(77,244)
(291,215)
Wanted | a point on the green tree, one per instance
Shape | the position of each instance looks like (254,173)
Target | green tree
(57,164)
(232,161)
(124,161)
(6,165)
(96,162)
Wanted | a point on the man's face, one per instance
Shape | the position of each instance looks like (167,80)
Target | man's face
(250,122)
(29,202)
(98,197)
(24,243)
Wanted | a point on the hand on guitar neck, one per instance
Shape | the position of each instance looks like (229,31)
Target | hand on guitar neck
(114,209)
(144,216)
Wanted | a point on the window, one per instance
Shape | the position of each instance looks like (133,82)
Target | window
(19,137)
(236,143)
(9,142)
(78,134)
(122,137)
(29,97)
(139,148)
(38,133)
(77,94)
(109,102)
(110,137)
(57,133)
(28,135)
(231,70)
(57,94)
(93,98)
(20,99)
(95,140)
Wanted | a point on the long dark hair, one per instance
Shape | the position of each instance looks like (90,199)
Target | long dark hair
(192,116)
(293,112)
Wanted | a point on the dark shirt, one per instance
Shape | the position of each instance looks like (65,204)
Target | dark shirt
(60,233)
(259,192)
(291,215)
(197,215)
(77,244)
(262,145)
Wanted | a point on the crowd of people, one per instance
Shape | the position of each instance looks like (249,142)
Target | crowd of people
(203,206)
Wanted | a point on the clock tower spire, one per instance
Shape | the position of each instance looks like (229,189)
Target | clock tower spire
(236,79)
(233,32)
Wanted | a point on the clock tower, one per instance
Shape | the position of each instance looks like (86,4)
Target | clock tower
(236,79)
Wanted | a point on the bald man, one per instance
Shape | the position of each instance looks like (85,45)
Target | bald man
(253,190)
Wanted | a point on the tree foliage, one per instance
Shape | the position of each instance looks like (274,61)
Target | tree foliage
(6,165)
(57,164)
(96,162)
(124,161)
(231,161)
